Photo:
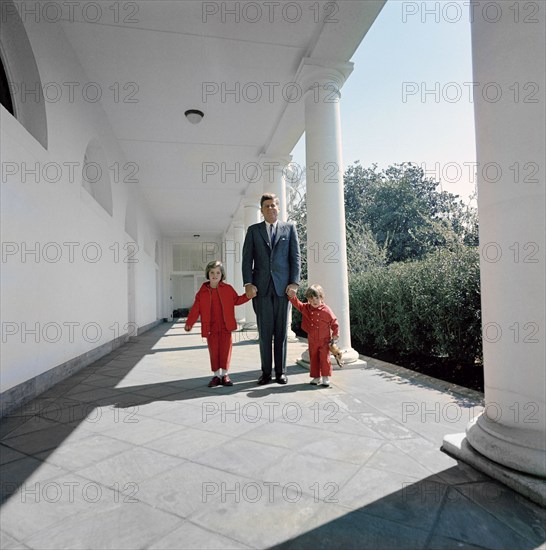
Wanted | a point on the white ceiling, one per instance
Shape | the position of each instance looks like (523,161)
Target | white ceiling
(174,50)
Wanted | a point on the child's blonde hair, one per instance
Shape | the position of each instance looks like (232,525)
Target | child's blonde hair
(315,291)
(212,265)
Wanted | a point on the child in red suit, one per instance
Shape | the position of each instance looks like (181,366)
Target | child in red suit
(321,326)
(215,302)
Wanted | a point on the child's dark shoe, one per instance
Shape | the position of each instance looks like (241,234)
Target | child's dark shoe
(215,382)
(226,381)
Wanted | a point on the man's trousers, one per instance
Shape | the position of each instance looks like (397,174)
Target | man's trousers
(271,316)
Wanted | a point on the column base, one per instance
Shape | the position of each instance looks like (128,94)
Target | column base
(351,360)
(247,332)
(291,337)
(515,447)
(458,447)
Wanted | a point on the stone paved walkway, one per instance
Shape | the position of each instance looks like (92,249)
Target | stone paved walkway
(136,452)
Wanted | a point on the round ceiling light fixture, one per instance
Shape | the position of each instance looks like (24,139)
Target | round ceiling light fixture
(194,115)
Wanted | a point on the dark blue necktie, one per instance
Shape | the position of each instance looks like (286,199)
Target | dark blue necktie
(271,235)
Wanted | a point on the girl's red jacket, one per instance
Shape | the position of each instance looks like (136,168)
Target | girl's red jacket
(202,307)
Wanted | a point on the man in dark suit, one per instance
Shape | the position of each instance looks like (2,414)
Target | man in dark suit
(271,266)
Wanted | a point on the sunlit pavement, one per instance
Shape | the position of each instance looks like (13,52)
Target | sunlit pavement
(136,451)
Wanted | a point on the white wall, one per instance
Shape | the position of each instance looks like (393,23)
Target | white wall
(74,295)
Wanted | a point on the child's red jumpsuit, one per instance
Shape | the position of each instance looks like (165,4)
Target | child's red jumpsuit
(321,325)
(216,307)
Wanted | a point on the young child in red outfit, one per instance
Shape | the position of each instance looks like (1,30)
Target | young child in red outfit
(215,302)
(321,326)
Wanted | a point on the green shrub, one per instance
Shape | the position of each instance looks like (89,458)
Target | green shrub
(429,307)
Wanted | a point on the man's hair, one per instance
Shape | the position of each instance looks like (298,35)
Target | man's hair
(269,197)
(212,265)
(315,291)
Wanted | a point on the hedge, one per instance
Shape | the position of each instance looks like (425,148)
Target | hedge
(428,307)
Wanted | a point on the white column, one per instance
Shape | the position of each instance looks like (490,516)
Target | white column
(236,254)
(326,240)
(228,257)
(251,216)
(167,302)
(274,181)
(509,66)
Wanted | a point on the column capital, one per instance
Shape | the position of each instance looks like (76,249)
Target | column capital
(316,72)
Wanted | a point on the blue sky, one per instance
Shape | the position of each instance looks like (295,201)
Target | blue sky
(409,97)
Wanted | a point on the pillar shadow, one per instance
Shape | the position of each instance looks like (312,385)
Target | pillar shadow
(437,512)
(43,424)
(434,513)
(30,433)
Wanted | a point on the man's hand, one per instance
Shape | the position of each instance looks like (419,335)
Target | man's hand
(187,328)
(291,290)
(250,291)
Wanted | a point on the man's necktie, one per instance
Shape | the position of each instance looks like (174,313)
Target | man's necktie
(271,235)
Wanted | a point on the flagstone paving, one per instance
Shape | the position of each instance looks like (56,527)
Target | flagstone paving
(135,451)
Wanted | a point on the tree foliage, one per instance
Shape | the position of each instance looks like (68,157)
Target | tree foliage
(404,210)
(412,261)
(394,215)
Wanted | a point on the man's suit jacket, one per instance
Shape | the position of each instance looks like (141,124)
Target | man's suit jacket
(282,263)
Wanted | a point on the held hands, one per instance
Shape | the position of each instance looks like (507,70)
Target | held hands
(291,290)
(250,291)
